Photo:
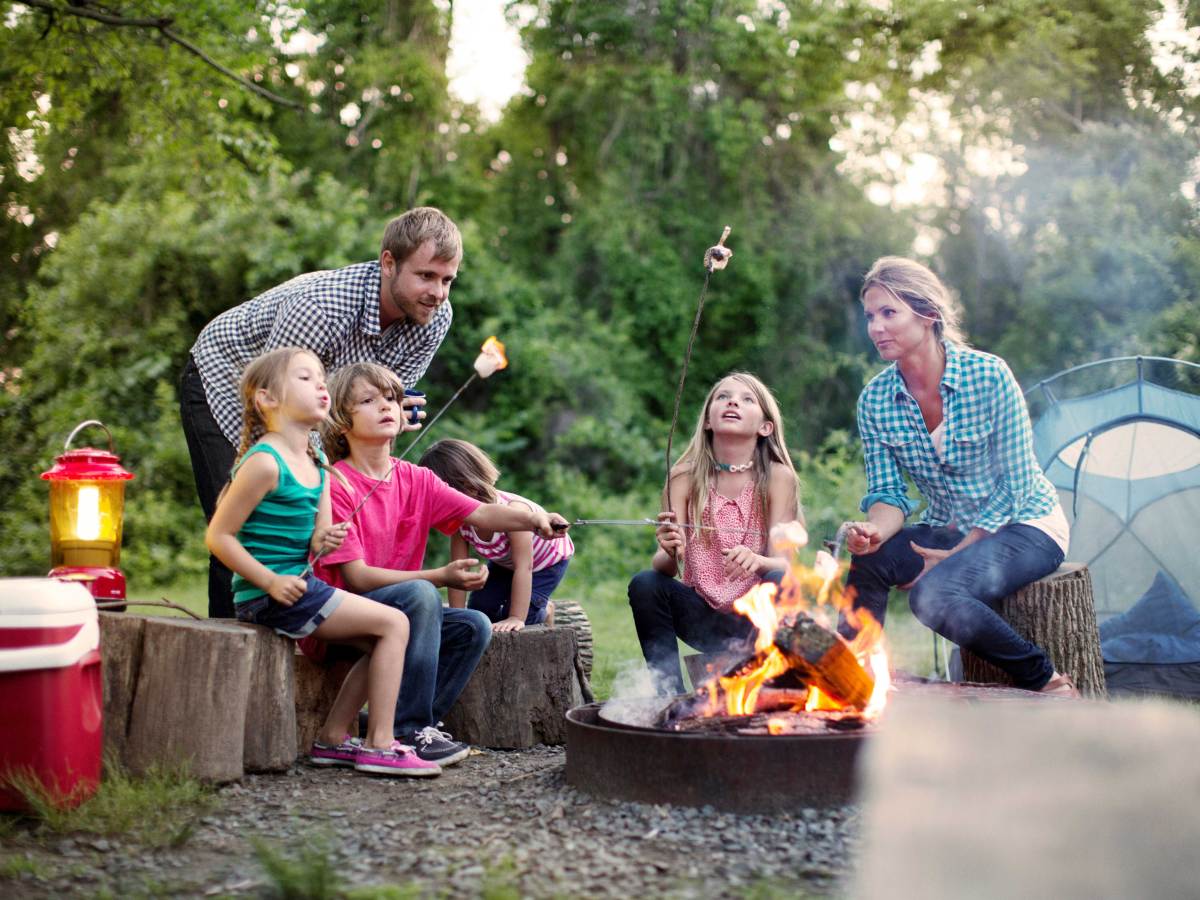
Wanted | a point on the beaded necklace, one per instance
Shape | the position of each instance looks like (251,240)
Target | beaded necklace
(726,467)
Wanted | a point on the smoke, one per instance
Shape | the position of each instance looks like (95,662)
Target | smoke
(638,696)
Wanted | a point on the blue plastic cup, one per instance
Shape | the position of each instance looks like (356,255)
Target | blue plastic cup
(414,412)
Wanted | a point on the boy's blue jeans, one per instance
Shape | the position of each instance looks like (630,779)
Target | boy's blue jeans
(444,647)
(957,597)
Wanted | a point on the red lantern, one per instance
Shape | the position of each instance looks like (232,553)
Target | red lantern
(87,503)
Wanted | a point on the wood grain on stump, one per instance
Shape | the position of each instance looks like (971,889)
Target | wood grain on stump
(521,690)
(1058,613)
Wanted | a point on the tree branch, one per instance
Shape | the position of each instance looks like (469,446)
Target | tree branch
(163,26)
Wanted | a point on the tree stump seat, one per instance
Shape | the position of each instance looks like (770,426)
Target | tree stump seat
(1058,613)
(521,690)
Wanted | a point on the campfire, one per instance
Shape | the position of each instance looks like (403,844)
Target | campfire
(801,676)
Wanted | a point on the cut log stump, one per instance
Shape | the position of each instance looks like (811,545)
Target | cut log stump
(570,613)
(521,690)
(216,696)
(1058,613)
(189,703)
(317,684)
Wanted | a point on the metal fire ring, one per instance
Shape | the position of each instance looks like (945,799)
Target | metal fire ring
(733,773)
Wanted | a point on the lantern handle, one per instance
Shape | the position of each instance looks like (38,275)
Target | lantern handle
(82,425)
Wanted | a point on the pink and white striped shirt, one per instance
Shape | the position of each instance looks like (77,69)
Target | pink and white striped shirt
(497,548)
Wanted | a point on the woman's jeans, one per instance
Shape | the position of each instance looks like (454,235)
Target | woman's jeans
(958,597)
(665,609)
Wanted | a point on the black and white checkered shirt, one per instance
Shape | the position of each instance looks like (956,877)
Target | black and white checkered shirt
(334,313)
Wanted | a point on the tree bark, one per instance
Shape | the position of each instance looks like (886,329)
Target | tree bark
(1058,613)
(120,660)
(270,726)
(571,613)
(824,661)
(521,691)
(316,686)
(189,705)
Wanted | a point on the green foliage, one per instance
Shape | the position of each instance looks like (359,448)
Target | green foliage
(157,809)
(305,874)
(146,192)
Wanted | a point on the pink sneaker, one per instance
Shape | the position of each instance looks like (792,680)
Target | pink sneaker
(399,759)
(344,754)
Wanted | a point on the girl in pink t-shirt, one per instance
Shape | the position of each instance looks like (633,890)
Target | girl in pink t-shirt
(733,483)
(523,567)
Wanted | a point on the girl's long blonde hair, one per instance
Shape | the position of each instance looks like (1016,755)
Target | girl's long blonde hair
(697,462)
(267,372)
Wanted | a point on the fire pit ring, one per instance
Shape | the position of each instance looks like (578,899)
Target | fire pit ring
(731,772)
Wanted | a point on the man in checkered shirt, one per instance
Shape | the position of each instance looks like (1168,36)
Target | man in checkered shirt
(393,311)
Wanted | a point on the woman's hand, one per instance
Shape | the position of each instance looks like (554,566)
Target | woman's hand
(669,535)
(740,561)
(930,557)
(510,624)
(328,537)
(863,538)
(460,574)
(286,589)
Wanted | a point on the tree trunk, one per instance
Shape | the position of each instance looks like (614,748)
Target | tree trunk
(270,727)
(189,705)
(316,686)
(1058,613)
(120,659)
(521,690)
(571,613)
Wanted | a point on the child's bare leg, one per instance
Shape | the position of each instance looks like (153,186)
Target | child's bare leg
(550,613)
(358,617)
(343,715)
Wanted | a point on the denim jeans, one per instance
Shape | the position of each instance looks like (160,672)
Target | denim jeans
(493,598)
(444,647)
(212,460)
(666,610)
(957,598)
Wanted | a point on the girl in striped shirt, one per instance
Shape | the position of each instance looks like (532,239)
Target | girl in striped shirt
(523,567)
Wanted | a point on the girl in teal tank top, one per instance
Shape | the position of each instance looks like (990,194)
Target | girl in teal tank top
(271,517)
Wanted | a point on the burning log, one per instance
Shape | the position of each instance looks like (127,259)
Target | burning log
(824,660)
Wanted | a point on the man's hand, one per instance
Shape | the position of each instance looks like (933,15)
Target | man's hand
(740,561)
(329,537)
(863,538)
(286,589)
(669,535)
(931,558)
(509,624)
(407,404)
(462,575)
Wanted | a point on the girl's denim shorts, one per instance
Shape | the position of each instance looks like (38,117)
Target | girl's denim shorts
(298,620)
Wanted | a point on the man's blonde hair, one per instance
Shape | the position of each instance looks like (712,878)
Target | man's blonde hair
(407,232)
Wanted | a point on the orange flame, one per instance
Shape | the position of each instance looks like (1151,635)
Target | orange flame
(491,358)
(816,591)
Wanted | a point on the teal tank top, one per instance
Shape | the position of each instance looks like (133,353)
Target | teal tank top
(277,533)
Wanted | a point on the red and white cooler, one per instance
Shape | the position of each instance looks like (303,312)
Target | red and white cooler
(51,695)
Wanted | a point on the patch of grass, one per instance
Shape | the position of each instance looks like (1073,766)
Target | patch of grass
(190,593)
(500,882)
(384,892)
(18,866)
(158,809)
(308,874)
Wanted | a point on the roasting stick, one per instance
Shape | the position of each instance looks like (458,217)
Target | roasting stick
(655,523)
(491,359)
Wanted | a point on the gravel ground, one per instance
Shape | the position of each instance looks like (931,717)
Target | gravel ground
(501,823)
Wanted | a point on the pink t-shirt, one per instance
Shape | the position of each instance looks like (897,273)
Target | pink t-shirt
(498,549)
(392,528)
(704,565)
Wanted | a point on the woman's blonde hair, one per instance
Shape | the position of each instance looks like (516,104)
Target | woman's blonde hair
(341,403)
(698,463)
(464,467)
(920,290)
(265,373)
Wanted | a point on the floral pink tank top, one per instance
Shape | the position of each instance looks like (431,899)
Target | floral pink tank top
(704,567)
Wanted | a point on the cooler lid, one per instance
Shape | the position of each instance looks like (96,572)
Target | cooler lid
(27,597)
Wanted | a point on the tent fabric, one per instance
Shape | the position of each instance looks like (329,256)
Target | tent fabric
(1162,627)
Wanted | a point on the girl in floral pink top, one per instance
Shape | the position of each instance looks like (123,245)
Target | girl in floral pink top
(732,484)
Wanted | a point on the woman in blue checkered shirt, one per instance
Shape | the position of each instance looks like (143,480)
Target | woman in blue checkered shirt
(954,421)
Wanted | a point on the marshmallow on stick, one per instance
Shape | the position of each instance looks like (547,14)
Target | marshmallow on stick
(491,358)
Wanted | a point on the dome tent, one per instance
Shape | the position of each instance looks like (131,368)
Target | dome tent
(1120,440)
